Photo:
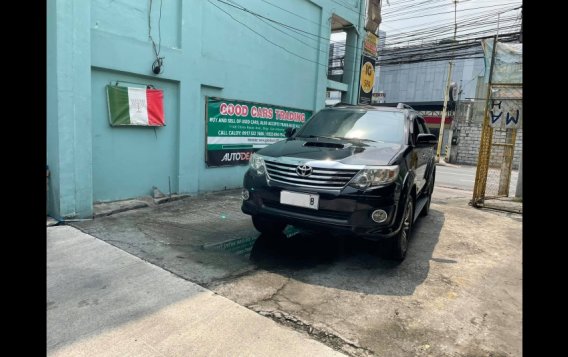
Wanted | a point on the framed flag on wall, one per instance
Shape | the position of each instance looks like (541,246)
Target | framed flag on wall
(132,106)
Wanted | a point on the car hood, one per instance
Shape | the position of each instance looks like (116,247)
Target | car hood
(345,151)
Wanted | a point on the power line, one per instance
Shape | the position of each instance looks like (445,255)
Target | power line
(439,30)
(466,19)
(240,7)
(429,33)
(439,13)
(465,37)
(391,18)
(415,50)
(408,11)
(391,68)
(292,13)
(433,55)
(266,39)
(356,12)
(423,31)
(414,38)
(396,9)
(470,35)
(292,28)
(295,38)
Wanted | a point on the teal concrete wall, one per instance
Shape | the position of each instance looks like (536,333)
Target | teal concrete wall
(129,161)
(207,52)
(69,108)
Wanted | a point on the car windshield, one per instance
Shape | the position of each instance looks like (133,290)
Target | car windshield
(373,125)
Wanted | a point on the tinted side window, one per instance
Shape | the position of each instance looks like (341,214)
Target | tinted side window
(415,131)
(423,129)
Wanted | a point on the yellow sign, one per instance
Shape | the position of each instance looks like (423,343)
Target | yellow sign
(367,77)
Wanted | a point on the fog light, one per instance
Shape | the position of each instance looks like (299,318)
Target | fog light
(379,216)
(245,194)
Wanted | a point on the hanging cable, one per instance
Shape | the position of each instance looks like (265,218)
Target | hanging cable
(158,65)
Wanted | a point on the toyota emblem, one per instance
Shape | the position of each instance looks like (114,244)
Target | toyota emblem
(304,170)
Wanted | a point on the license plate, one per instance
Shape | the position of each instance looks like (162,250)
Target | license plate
(307,200)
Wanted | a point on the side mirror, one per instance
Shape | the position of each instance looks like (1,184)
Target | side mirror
(426,140)
(289,132)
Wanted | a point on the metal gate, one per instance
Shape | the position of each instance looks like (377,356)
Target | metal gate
(501,121)
(497,147)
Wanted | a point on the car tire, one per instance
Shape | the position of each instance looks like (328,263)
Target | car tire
(426,208)
(268,225)
(400,241)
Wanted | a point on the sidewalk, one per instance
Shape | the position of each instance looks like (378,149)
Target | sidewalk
(104,301)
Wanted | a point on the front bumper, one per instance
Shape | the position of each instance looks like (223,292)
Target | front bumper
(343,211)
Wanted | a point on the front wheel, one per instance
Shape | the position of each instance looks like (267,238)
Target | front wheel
(400,241)
(268,225)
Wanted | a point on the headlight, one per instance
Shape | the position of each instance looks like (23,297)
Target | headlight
(256,163)
(374,176)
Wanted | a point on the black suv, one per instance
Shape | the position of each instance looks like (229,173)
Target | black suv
(367,170)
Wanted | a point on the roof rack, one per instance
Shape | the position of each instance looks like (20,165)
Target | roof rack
(403,106)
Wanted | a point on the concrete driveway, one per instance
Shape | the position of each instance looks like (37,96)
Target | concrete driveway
(458,293)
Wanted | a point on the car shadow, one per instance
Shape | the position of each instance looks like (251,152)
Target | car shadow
(207,240)
(350,263)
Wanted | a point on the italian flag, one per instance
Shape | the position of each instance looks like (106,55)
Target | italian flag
(135,106)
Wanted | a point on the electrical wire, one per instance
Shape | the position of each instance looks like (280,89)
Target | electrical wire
(450,44)
(417,29)
(348,8)
(266,39)
(435,35)
(433,55)
(434,32)
(294,29)
(396,18)
(158,65)
(401,8)
(292,13)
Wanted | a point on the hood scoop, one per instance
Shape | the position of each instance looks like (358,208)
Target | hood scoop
(324,144)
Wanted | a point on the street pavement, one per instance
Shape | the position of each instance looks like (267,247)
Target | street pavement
(458,293)
(463,178)
(102,301)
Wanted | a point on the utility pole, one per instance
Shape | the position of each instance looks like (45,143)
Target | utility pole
(446,94)
(519,190)
(453,124)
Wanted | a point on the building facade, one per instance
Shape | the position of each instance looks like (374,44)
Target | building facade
(413,75)
(422,83)
(426,81)
(276,56)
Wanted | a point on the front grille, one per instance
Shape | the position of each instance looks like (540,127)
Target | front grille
(320,177)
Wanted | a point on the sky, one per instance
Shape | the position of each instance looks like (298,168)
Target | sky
(402,16)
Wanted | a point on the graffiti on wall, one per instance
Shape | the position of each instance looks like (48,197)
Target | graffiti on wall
(504,114)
